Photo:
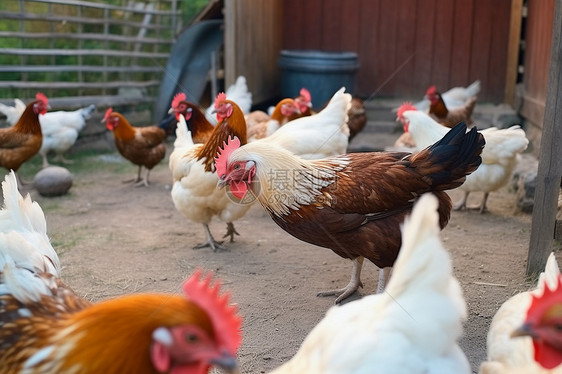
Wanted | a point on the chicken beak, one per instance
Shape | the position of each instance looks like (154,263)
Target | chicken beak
(222,183)
(226,362)
(171,110)
(524,330)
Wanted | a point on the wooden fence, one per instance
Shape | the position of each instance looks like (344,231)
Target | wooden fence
(83,52)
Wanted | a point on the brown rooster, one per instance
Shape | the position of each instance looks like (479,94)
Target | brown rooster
(450,118)
(201,129)
(357,117)
(47,328)
(143,146)
(22,141)
(354,203)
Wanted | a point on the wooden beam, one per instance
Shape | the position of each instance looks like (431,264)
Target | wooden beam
(513,50)
(550,165)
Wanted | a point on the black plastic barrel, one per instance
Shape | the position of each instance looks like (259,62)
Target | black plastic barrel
(322,73)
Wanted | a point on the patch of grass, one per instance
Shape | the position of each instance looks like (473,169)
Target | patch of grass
(85,162)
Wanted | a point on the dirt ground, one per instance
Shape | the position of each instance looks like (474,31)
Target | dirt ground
(114,239)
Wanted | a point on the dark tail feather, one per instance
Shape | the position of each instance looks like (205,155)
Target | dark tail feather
(447,162)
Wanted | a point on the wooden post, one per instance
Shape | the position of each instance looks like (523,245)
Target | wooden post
(550,158)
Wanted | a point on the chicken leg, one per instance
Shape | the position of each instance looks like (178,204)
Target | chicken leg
(230,231)
(210,241)
(462,203)
(353,284)
(137,179)
(144,181)
(384,275)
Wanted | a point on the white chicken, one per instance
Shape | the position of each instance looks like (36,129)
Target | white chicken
(237,92)
(515,355)
(320,135)
(413,327)
(454,97)
(24,237)
(499,156)
(194,191)
(60,129)
(13,113)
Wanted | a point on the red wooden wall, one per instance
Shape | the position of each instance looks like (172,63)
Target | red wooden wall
(404,46)
(537,59)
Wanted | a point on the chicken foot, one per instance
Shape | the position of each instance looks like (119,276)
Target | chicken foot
(210,241)
(137,179)
(352,286)
(230,231)
(462,203)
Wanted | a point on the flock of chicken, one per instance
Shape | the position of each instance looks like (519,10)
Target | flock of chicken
(387,207)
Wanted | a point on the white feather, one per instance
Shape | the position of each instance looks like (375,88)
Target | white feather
(321,135)
(413,327)
(454,97)
(507,355)
(25,248)
(499,156)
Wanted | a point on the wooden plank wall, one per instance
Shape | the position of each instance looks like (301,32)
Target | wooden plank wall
(252,44)
(537,57)
(406,45)
(84,52)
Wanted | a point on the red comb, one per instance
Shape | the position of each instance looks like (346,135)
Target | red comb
(405,107)
(178,98)
(226,323)
(306,94)
(540,305)
(432,90)
(41,96)
(221,161)
(108,113)
(220,97)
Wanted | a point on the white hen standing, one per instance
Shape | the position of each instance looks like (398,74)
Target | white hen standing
(320,135)
(516,355)
(499,156)
(413,327)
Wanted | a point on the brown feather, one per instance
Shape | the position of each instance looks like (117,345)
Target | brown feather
(200,128)
(22,141)
(360,213)
(450,118)
(143,146)
(235,125)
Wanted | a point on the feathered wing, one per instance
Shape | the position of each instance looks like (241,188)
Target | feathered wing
(321,135)
(24,246)
(413,327)
(239,93)
(507,355)
(13,113)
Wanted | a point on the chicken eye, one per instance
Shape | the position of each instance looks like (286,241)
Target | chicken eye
(237,167)
(558,327)
(191,338)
